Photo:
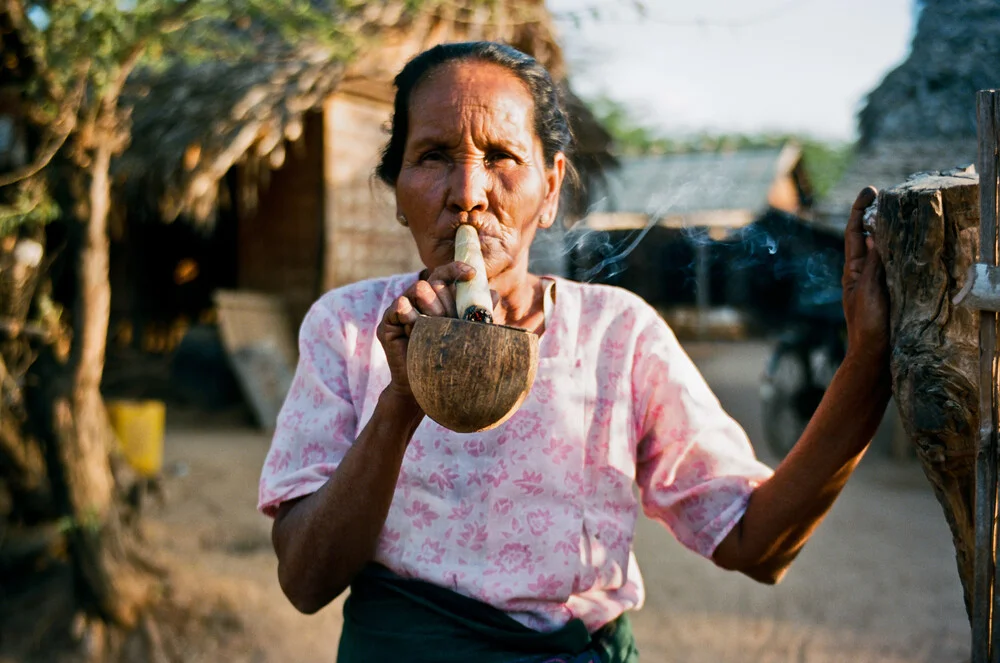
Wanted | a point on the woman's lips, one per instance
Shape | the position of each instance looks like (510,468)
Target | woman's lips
(483,235)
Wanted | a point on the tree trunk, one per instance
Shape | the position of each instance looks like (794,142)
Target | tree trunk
(61,445)
(93,488)
(75,479)
(85,438)
(927,232)
(22,464)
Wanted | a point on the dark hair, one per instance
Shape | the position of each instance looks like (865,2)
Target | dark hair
(551,122)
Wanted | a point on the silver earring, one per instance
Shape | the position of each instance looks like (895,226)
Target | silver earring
(402,220)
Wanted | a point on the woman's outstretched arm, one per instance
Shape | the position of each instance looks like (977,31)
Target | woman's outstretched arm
(783,512)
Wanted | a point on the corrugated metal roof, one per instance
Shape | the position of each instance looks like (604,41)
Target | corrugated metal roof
(678,184)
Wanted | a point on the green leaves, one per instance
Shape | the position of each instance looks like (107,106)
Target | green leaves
(825,161)
(30,204)
(62,35)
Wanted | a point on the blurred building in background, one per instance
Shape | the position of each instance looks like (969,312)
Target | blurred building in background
(922,117)
(267,167)
(727,239)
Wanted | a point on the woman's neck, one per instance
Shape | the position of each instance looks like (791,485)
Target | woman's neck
(520,302)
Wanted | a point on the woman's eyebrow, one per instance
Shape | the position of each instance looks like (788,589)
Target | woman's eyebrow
(421,143)
(425,135)
(499,141)
(507,146)
(429,140)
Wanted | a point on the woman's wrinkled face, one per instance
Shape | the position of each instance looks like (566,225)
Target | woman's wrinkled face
(472,156)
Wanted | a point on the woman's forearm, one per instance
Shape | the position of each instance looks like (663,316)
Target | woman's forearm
(783,512)
(324,539)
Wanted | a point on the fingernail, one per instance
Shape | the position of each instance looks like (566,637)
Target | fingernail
(870,242)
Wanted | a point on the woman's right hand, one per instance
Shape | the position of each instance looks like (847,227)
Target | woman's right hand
(433,295)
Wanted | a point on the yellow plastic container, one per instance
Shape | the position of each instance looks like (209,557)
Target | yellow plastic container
(139,426)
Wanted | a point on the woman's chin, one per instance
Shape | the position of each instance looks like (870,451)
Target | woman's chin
(498,266)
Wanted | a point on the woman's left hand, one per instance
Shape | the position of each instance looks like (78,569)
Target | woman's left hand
(784,511)
(866,297)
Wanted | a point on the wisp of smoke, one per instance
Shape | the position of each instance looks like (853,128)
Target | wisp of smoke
(582,240)
(760,247)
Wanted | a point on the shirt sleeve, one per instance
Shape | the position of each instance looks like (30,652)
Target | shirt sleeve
(696,467)
(316,424)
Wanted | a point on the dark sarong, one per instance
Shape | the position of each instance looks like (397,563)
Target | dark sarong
(389,618)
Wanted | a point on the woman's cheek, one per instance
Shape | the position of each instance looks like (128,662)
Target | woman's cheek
(520,191)
(420,183)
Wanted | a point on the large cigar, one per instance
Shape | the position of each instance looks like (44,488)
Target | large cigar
(472,298)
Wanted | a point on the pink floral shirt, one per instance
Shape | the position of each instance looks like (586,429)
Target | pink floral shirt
(536,516)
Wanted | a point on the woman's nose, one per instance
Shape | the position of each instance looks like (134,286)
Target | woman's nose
(467,188)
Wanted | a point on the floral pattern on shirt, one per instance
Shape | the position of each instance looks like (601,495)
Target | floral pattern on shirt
(536,516)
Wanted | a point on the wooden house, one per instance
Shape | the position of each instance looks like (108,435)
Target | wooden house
(268,164)
(727,233)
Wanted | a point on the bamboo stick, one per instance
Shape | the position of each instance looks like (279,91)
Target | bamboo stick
(983,609)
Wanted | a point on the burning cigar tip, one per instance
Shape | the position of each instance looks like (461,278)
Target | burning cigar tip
(478,314)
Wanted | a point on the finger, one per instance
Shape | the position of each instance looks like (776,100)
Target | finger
(874,269)
(854,235)
(444,295)
(401,313)
(452,273)
(423,296)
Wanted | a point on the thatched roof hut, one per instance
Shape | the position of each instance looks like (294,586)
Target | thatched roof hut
(923,115)
(192,124)
(273,157)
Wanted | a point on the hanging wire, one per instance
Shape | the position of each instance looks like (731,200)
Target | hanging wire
(641,14)
(599,12)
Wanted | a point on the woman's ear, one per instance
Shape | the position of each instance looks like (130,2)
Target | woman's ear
(553,180)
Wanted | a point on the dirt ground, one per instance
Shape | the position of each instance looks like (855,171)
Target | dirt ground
(877,583)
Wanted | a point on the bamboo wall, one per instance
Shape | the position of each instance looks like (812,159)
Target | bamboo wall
(280,239)
(363,239)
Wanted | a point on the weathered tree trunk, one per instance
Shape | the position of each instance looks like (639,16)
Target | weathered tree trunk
(92,485)
(22,464)
(76,480)
(927,232)
(103,549)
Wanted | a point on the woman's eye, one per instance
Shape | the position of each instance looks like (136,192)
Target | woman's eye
(433,155)
(499,156)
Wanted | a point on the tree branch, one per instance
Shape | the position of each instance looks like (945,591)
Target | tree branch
(171,21)
(67,118)
(39,163)
(175,19)
(110,100)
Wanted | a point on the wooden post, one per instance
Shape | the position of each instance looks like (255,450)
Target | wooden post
(927,235)
(984,627)
(942,301)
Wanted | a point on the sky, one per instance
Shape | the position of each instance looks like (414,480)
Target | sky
(749,66)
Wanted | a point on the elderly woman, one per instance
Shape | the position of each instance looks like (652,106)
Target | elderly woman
(516,544)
